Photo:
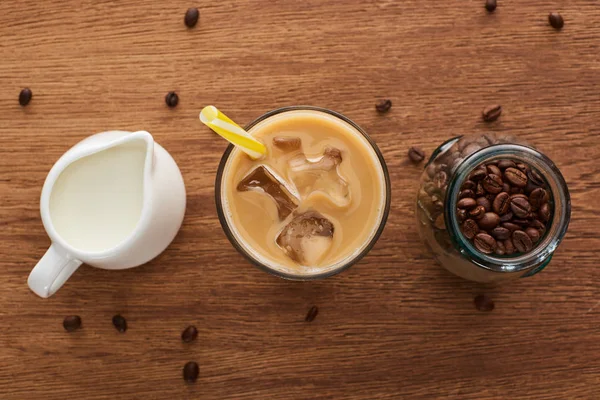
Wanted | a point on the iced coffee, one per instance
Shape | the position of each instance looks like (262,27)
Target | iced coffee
(314,204)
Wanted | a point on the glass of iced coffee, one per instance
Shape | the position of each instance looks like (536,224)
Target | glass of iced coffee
(315,204)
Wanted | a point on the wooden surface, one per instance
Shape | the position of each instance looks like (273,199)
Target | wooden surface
(394,326)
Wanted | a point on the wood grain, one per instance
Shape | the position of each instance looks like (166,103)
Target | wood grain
(394,326)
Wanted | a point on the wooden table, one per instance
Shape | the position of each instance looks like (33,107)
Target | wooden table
(394,326)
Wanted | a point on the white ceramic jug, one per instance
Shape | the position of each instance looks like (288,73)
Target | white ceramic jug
(115,200)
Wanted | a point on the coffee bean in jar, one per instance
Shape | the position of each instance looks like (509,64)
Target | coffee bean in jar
(491,207)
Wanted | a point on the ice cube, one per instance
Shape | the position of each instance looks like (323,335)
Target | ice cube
(320,175)
(307,238)
(287,143)
(263,179)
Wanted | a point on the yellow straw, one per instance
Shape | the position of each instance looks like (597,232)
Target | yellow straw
(221,124)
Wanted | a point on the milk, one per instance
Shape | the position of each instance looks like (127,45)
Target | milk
(96,202)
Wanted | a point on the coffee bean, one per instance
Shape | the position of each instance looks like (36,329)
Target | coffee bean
(516,190)
(440,179)
(556,21)
(416,155)
(479,191)
(535,178)
(492,183)
(470,228)
(515,177)
(468,185)
(483,303)
(191,17)
(500,249)
(25,96)
(521,241)
(544,212)
(430,188)
(191,370)
(440,222)
(501,203)
(384,106)
(506,187)
(488,221)
(477,212)
(189,334)
(312,314)
(431,170)
(490,197)
(530,187)
(500,233)
(533,234)
(511,226)
(538,197)
(503,164)
(522,222)
(492,169)
(491,113)
(172,99)
(461,215)
(485,202)
(539,226)
(509,247)
(478,174)
(72,323)
(490,5)
(506,217)
(484,243)
(523,167)
(467,203)
(466,193)
(520,207)
(120,323)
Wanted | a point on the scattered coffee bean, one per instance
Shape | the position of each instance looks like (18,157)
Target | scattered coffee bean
(533,234)
(501,203)
(485,243)
(556,21)
(491,113)
(520,207)
(544,212)
(538,197)
(500,249)
(515,177)
(467,203)
(384,106)
(416,155)
(522,241)
(503,164)
(485,203)
(191,370)
(470,229)
(492,183)
(312,314)
(483,303)
(500,233)
(189,334)
(72,323)
(477,212)
(488,221)
(490,5)
(191,17)
(120,323)
(25,96)
(172,99)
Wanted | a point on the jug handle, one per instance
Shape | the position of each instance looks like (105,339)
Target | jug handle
(51,272)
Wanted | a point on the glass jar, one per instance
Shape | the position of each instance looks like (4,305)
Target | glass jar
(446,171)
